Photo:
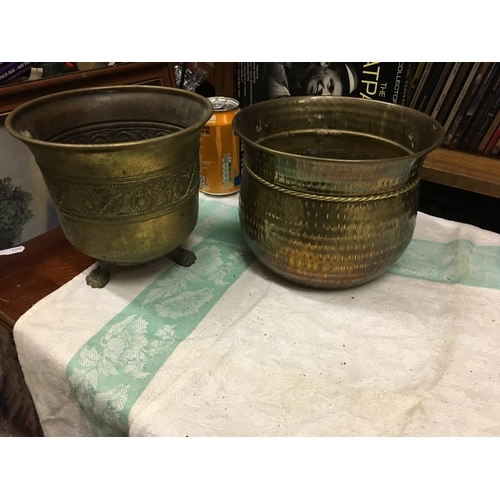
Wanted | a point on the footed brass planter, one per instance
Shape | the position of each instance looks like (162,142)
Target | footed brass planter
(121,165)
(329,192)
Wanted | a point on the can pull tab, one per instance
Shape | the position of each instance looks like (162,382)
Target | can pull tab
(219,103)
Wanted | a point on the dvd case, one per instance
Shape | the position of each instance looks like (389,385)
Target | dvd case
(383,81)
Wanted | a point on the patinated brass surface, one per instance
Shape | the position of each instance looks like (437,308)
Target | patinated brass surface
(329,192)
(326,241)
(121,165)
(336,145)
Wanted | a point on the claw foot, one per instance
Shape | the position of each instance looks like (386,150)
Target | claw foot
(182,256)
(99,277)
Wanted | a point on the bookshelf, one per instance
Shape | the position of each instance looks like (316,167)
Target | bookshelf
(472,172)
(468,171)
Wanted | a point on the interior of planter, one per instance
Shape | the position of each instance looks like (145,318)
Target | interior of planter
(338,127)
(108,115)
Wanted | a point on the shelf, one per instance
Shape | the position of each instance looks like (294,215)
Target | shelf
(468,171)
(458,169)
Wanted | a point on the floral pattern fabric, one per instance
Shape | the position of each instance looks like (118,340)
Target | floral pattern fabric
(110,371)
(226,348)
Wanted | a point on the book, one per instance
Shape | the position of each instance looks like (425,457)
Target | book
(416,73)
(421,82)
(467,109)
(456,102)
(483,145)
(489,121)
(496,149)
(429,86)
(446,88)
(494,144)
(438,87)
(480,121)
(453,92)
(249,82)
(255,82)
(404,98)
(10,71)
(462,128)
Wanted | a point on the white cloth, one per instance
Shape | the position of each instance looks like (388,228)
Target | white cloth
(415,352)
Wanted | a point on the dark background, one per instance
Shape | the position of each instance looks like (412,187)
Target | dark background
(459,205)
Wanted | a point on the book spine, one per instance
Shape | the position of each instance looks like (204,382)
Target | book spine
(479,92)
(9,71)
(453,92)
(461,95)
(415,77)
(483,145)
(6,68)
(438,87)
(488,121)
(458,125)
(494,144)
(489,94)
(496,149)
(247,82)
(429,86)
(421,83)
(446,89)
(403,98)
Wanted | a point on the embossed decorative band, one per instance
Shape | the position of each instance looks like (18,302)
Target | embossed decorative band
(338,199)
(139,199)
(114,132)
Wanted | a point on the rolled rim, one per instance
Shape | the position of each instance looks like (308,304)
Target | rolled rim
(60,96)
(266,105)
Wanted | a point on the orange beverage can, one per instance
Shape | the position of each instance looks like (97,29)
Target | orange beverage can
(220,149)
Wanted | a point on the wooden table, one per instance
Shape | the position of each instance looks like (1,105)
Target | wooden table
(48,262)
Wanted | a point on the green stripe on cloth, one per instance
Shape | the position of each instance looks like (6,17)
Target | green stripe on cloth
(109,373)
(458,261)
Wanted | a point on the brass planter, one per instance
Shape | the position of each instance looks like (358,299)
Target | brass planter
(121,165)
(329,192)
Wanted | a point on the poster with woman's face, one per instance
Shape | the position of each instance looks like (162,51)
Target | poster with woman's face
(383,81)
(310,79)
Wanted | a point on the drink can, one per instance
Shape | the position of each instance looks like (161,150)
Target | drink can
(220,149)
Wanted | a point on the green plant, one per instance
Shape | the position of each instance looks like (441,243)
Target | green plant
(14,211)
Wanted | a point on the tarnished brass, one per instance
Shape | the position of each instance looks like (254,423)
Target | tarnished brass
(121,165)
(329,192)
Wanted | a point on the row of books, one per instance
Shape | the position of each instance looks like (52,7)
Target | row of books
(465,98)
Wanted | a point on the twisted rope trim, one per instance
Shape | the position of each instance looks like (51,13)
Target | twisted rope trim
(339,199)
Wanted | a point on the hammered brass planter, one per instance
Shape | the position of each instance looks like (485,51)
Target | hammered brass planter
(121,165)
(329,193)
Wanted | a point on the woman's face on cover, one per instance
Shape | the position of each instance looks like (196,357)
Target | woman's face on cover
(324,81)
